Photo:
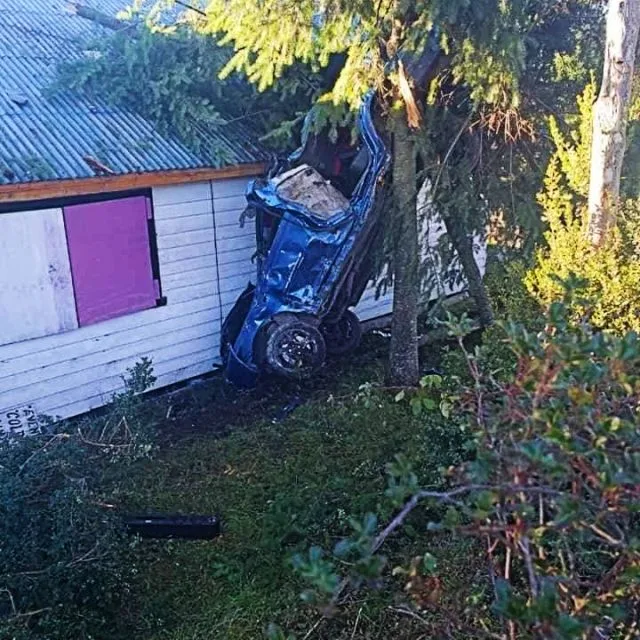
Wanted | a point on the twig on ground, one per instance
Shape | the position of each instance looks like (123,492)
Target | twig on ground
(484,633)
(104,429)
(441,496)
(29,614)
(102,445)
(58,436)
(11,600)
(533,578)
(405,611)
(449,497)
(86,557)
(491,546)
(315,626)
(355,626)
(507,564)
(604,535)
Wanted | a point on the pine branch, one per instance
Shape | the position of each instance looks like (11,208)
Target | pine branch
(191,7)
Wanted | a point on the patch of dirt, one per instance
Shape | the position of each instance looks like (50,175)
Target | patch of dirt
(210,405)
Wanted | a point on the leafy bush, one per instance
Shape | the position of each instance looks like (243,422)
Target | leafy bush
(510,301)
(64,557)
(510,298)
(552,491)
(612,272)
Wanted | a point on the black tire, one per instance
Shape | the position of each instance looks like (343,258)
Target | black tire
(344,335)
(294,348)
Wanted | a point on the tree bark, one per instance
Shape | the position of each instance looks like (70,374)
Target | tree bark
(463,244)
(610,117)
(403,357)
(103,19)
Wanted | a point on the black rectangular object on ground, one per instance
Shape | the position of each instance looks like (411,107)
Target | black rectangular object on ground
(174,526)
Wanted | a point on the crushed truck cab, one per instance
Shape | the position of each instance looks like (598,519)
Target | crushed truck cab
(315,222)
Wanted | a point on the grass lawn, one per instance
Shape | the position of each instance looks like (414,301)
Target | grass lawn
(281,487)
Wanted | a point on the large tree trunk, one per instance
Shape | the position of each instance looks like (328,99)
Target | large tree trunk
(403,357)
(610,117)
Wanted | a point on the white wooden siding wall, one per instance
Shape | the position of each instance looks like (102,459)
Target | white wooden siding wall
(439,284)
(69,373)
(437,280)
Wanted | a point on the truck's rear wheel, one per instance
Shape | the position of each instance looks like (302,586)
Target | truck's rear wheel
(344,335)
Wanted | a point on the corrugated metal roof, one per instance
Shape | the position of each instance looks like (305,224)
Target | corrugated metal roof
(44,137)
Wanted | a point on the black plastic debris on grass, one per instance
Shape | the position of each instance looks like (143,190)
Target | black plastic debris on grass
(190,527)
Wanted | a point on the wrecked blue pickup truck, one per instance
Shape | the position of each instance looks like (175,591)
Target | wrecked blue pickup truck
(315,221)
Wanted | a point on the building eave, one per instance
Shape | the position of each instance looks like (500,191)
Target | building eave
(42,190)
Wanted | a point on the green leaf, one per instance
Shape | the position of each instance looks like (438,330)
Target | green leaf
(429,404)
(445,408)
(570,626)
(429,564)
(452,517)
(416,406)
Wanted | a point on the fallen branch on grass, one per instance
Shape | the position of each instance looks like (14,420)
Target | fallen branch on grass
(447,497)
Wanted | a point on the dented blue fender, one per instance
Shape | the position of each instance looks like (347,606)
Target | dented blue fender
(305,262)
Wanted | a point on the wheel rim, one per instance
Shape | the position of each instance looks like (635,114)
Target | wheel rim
(296,350)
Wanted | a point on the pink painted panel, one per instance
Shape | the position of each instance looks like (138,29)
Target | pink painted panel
(110,258)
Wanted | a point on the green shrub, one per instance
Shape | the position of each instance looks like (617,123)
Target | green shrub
(612,272)
(510,298)
(64,557)
(511,301)
(551,489)
(61,552)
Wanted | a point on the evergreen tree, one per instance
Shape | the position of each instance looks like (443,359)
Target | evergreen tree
(493,52)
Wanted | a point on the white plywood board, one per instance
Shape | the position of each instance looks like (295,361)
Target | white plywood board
(230,203)
(88,352)
(176,254)
(192,328)
(228,231)
(199,261)
(182,209)
(142,324)
(168,240)
(36,290)
(197,368)
(175,281)
(229,217)
(74,385)
(192,292)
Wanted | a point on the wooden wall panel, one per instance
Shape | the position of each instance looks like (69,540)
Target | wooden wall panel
(36,292)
